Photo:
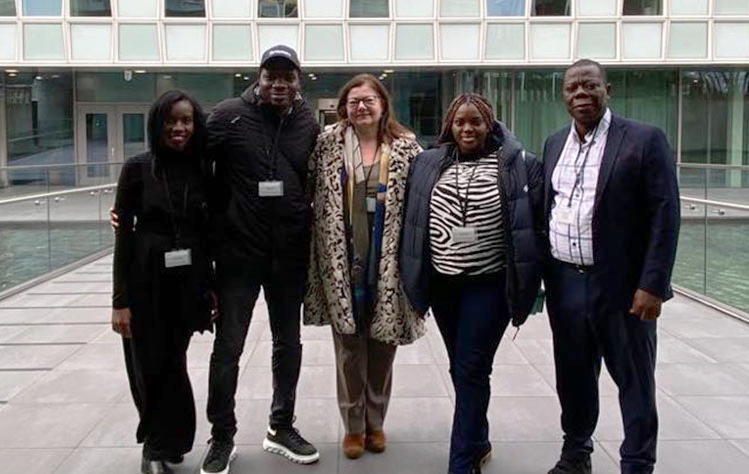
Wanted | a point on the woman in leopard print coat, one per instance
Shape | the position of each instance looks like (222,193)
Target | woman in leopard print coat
(359,173)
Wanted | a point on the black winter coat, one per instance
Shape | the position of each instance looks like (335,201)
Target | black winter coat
(521,190)
(244,139)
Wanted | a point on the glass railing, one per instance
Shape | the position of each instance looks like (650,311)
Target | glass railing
(43,232)
(18,181)
(725,183)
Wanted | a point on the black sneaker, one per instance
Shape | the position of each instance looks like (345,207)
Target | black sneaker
(287,442)
(220,455)
(577,466)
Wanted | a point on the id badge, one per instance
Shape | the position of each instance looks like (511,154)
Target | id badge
(177,258)
(270,188)
(371,204)
(565,215)
(465,235)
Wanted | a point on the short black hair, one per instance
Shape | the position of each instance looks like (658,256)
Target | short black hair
(160,112)
(589,62)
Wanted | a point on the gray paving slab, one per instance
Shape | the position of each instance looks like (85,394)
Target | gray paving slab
(701,379)
(14,381)
(729,416)
(60,334)
(26,357)
(60,425)
(32,461)
(75,386)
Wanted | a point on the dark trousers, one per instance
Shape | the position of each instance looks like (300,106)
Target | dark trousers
(588,325)
(238,291)
(156,361)
(472,315)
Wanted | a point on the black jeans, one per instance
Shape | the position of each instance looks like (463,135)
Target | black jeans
(472,315)
(588,327)
(239,286)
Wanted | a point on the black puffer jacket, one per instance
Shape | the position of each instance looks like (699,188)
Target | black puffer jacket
(521,188)
(244,135)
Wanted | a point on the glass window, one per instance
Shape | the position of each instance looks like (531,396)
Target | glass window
(643,7)
(550,41)
(414,8)
(505,41)
(641,40)
(369,42)
(596,7)
(271,35)
(539,109)
(91,42)
(550,7)
(232,43)
(596,40)
(184,8)
(207,88)
(138,8)
(8,42)
(43,42)
(323,8)
(731,40)
(185,42)
(368,8)
(277,8)
(112,87)
(688,7)
(39,124)
(688,40)
(414,42)
(323,43)
(468,8)
(90,8)
(466,48)
(231,9)
(505,7)
(418,102)
(139,42)
(731,7)
(42,7)
(7,7)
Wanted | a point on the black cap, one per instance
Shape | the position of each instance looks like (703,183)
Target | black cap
(280,52)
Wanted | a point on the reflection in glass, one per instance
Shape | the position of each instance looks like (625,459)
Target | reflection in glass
(97,143)
(368,8)
(505,7)
(42,7)
(7,8)
(277,8)
(90,8)
(643,7)
(133,134)
(420,104)
(185,8)
(550,8)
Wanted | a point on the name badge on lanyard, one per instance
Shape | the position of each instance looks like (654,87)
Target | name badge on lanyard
(177,258)
(270,188)
(371,204)
(464,235)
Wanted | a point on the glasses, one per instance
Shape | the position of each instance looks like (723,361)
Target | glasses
(369,101)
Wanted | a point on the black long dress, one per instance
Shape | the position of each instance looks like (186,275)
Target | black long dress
(167,304)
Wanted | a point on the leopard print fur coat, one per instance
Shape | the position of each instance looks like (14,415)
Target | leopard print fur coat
(328,293)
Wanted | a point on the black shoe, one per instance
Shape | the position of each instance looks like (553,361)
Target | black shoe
(220,455)
(577,466)
(148,466)
(287,442)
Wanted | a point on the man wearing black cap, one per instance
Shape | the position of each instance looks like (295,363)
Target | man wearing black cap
(259,144)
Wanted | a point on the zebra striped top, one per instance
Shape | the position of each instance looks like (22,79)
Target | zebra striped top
(482,204)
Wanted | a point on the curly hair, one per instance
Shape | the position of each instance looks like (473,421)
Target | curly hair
(478,101)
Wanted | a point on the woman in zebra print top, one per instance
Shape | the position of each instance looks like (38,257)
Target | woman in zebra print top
(469,251)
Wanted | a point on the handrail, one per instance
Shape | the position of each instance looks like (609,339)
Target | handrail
(706,166)
(58,193)
(61,165)
(707,202)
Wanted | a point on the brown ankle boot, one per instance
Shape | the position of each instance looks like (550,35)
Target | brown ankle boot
(353,445)
(376,441)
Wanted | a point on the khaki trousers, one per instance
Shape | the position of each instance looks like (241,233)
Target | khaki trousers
(364,375)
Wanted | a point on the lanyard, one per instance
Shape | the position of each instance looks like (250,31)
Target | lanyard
(464,202)
(272,153)
(176,225)
(579,171)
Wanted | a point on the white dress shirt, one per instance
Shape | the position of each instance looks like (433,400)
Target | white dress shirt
(574,180)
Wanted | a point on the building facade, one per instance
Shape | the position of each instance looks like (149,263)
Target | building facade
(77,76)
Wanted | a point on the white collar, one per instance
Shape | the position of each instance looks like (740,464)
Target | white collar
(599,130)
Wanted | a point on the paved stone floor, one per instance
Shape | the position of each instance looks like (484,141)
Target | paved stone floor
(65,406)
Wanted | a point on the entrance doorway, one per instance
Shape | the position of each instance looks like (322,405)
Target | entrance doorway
(108,134)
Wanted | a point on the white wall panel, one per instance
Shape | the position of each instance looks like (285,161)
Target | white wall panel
(139,8)
(323,8)
(460,8)
(272,35)
(731,7)
(43,42)
(460,42)
(596,7)
(550,41)
(414,8)
(91,42)
(731,40)
(323,43)
(8,33)
(596,40)
(641,40)
(688,7)
(505,41)
(369,42)
(232,43)
(138,42)
(414,42)
(687,40)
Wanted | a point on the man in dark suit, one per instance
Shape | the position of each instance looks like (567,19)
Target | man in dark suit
(612,208)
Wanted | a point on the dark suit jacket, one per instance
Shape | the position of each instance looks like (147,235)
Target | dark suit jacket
(636,214)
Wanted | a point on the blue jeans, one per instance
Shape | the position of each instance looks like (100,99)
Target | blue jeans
(472,315)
